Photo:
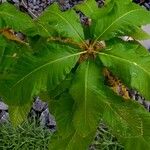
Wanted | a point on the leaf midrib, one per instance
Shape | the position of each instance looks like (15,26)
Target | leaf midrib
(69,25)
(46,64)
(4,13)
(123,59)
(89,7)
(42,27)
(127,13)
(85,91)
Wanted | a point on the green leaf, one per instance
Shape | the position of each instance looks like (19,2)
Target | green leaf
(34,73)
(116,18)
(128,62)
(12,18)
(120,116)
(121,20)
(87,114)
(62,87)
(139,34)
(128,120)
(65,24)
(137,143)
(66,137)
(9,53)
(72,142)
(141,141)
(78,119)
(3,44)
(63,110)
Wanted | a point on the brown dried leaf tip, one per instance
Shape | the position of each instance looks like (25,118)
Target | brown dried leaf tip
(12,35)
(116,85)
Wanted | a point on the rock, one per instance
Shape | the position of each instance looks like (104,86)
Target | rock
(135,95)
(67,4)
(47,120)
(100,3)
(146,43)
(3,106)
(147,105)
(33,7)
(41,115)
(4,115)
(39,105)
(86,21)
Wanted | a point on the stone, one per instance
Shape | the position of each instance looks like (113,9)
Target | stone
(48,120)
(40,114)
(3,106)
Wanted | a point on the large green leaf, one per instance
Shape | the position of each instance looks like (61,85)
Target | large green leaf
(12,18)
(72,142)
(66,137)
(78,119)
(120,116)
(121,20)
(34,73)
(141,141)
(116,18)
(63,109)
(130,63)
(128,120)
(65,24)
(137,143)
(86,117)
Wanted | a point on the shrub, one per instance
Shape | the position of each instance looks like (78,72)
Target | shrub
(64,58)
